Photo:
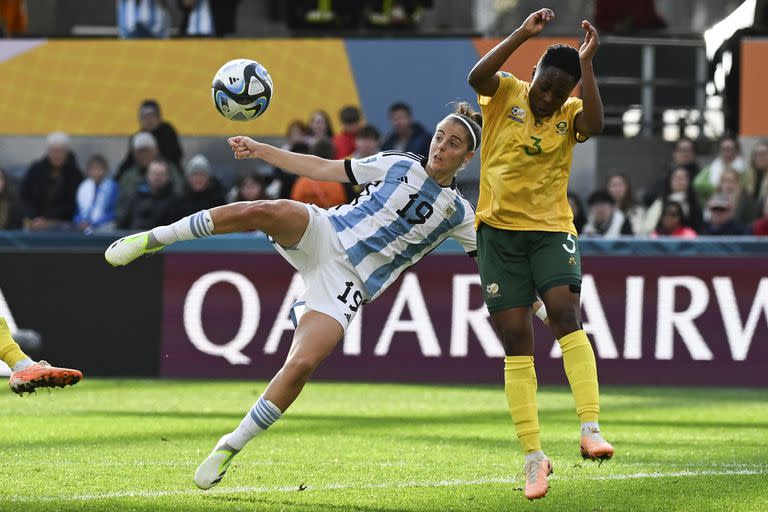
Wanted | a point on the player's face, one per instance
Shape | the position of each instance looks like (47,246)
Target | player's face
(550,88)
(449,148)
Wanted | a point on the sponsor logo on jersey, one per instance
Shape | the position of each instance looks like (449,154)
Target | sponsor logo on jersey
(517,114)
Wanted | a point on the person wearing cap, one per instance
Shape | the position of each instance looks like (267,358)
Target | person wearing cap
(151,120)
(721,221)
(145,150)
(202,190)
(49,187)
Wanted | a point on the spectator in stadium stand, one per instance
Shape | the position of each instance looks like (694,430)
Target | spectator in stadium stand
(721,221)
(250,187)
(297,131)
(144,151)
(202,190)
(626,16)
(673,223)
(620,188)
(49,187)
(605,218)
(677,188)
(744,208)
(406,135)
(760,226)
(151,120)
(282,182)
(683,155)
(729,157)
(577,207)
(344,142)
(96,198)
(207,17)
(143,19)
(154,201)
(13,17)
(367,142)
(324,194)
(10,208)
(397,14)
(319,127)
(757,178)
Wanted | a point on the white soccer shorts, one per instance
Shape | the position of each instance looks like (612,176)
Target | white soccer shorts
(333,286)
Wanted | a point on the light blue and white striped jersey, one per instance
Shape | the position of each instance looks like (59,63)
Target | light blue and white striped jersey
(142,18)
(400,216)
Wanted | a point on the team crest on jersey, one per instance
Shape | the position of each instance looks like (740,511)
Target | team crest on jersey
(517,114)
(449,210)
(492,291)
(561,127)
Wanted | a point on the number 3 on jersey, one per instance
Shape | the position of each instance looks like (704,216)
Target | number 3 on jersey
(536,147)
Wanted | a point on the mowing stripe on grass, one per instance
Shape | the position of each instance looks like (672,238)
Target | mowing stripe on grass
(386,485)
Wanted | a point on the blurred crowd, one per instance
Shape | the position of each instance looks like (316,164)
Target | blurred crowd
(728,196)
(155,184)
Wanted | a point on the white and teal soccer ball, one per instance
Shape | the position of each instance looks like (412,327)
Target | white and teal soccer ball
(242,90)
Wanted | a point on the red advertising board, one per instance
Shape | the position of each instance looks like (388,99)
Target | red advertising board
(652,320)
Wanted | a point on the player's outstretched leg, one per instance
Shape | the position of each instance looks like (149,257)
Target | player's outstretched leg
(284,220)
(28,375)
(315,337)
(581,368)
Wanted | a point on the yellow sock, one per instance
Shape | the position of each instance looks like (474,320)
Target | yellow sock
(581,369)
(10,352)
(520,387)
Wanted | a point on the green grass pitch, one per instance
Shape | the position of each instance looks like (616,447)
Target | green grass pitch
(113,445)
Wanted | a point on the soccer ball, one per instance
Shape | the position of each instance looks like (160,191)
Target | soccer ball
(242,90)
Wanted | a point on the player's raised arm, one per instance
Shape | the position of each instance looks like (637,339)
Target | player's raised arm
(590,121)
(302,165)
(483,77)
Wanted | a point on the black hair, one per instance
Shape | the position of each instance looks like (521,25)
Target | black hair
(153,104)
(474,119)
(97,159)
(399,105)
(600,196)
(323,148)
(368,132)
(349,114)
(684,220)
(684,138)
(563,57)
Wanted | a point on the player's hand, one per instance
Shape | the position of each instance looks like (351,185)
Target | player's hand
(536,22)
(591,42)
(244,147)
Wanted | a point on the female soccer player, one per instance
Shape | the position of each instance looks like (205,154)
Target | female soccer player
(525,234)
(347,255)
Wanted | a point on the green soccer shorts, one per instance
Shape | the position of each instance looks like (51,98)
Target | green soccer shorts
(515,266)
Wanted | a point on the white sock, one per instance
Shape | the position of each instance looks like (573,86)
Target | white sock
(537,455)
(588,427)
(21,365)
(263,414)
(197,225)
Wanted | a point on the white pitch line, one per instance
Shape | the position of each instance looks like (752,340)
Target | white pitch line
(386,485)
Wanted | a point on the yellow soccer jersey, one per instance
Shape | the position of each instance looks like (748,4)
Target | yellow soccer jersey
(524,165)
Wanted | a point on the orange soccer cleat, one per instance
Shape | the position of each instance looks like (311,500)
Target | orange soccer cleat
(593,446)
(42,375)
(536,473)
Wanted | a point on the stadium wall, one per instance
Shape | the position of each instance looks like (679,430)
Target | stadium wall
(682,313)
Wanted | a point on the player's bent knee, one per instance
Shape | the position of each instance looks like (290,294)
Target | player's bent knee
(261,214)
(564,321)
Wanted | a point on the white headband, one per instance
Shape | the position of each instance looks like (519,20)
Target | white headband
(469,127)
